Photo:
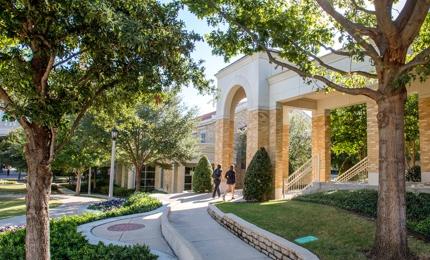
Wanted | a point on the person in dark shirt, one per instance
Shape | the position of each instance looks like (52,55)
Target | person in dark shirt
(230,175)
(216,176)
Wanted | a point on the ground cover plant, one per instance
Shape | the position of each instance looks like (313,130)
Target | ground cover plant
(67,243)
(365,202)
(341,234)
(107,205)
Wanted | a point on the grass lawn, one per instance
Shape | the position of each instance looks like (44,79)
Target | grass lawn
(10,207)
(341,234)
(12,188)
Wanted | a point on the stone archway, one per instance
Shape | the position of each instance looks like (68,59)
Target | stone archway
(265,128)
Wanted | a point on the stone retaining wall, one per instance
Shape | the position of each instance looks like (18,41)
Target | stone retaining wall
(268,243)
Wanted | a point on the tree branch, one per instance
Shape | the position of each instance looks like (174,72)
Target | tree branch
(338,52)
(69,58)
(81,114)
(355,30)
(385,24)
(44,79)
(413,25)
(362,9)
(421,58)
(352,91)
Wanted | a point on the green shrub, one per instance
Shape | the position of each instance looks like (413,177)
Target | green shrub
(414,174)
(258,177)
(202,176)
(365,202)
(67,243)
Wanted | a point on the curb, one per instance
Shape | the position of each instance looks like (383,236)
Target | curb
(272,245)
(86,231)
(183,249)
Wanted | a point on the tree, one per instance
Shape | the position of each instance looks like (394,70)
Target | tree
(202,176)
(12,150)
(60,58)
(300,143)
(412,132)
(348,136)
(89,147)
(294,33)
(258,177)
(156,134)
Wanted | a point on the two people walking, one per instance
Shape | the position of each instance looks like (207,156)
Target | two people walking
(230,176)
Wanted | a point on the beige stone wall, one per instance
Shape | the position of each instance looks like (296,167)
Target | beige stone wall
(277,151)
(224,142)
(321,146)
(257,133)
(424,125)
(372,139)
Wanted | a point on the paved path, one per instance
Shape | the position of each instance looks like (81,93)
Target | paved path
(189,216)
(145,230)
(72,205)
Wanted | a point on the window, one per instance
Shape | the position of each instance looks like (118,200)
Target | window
(148,179)
(202,137)
(188,179)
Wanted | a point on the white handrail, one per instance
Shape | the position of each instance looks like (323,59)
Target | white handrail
(297,180)
(357,169)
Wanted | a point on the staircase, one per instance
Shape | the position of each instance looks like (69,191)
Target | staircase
(299,180)
(359,169)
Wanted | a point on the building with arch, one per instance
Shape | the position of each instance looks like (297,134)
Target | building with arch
(270,93)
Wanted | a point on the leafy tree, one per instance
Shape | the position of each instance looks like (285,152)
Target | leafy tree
(412,132)
(377,32)
(155,134)
(348,136)
(202,176)
(89,147)
(258,177)
(300,142)
(12,150)
(60,58)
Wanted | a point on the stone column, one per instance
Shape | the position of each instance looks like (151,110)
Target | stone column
(372,143)
(278,148)
(224,142)
(257,134)
(424,125)
(321,146)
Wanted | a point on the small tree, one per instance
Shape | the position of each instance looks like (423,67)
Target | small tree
(12,150)
(258,177)
(202,176)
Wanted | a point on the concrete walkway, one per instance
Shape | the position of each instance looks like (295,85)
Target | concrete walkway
(71,205)
(189,216)
(141,230)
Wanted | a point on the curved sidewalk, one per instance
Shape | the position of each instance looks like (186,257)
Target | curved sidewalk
(136,229)
(189,216)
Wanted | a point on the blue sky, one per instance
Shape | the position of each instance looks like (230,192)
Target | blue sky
(213,64)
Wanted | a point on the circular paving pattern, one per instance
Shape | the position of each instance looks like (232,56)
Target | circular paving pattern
(125,227)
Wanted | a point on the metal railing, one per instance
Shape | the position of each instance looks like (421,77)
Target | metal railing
(300,179)
(359,168)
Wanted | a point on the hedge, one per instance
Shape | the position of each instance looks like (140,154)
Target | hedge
(258,177)
(202,176)
(68,243)
(364,202)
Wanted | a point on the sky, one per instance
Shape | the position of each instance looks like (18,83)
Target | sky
(213,64)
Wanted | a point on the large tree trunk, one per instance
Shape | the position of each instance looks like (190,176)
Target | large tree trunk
(38,154)
(390,238)
(78,183)
(138,178)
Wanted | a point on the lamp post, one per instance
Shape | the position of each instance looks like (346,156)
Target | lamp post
(112,162)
